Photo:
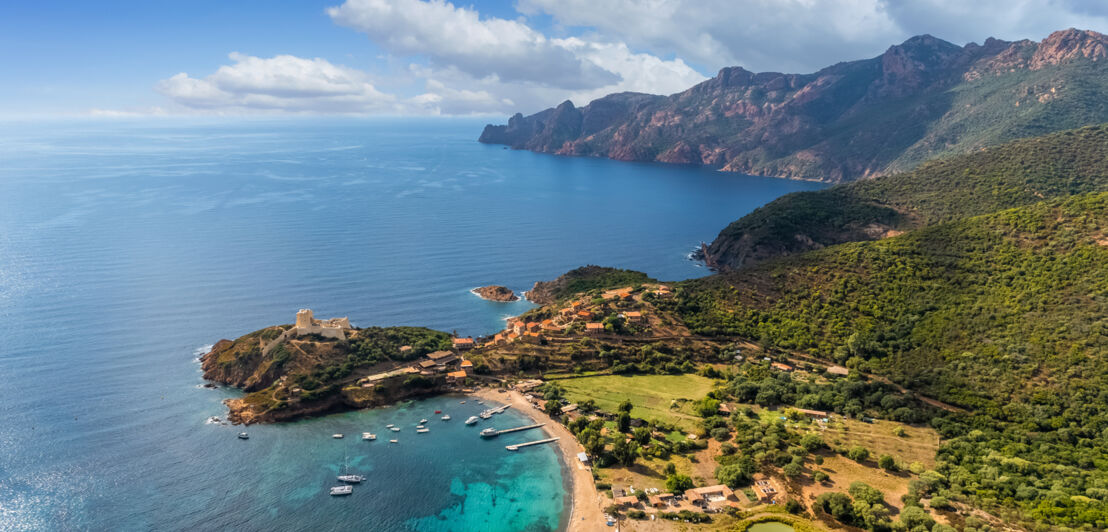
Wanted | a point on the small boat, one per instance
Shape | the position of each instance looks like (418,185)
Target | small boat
(369,436)
(394,441)
(244,436)
(438,411)
(342,490)
(489,433)
(461,402)
(337,436)
(395,429)
(389,426)
(446,417)
(485,415)
(420,427)
(422,430)
(422,421)
(351,479)
(471,420)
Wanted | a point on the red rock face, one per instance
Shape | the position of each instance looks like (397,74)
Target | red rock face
(844,122)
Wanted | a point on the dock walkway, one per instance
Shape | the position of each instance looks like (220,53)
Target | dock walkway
(517,429)
(518,446)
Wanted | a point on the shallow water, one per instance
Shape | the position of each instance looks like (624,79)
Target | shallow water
(125,247)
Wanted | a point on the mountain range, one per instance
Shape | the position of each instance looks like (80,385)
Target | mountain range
(919,100)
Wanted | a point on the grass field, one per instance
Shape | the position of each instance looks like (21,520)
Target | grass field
(651,395)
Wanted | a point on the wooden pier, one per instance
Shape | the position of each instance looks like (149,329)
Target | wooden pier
(518,446)
(517,429)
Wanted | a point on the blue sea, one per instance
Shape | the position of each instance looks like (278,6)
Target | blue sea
(127,247)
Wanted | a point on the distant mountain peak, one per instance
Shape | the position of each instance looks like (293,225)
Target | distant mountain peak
(921,98)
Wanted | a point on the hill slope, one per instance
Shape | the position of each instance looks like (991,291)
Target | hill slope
(920,99)
(1004,314)
(1018,173)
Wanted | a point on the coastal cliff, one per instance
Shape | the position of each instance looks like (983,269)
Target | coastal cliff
(920,99)
(287,376)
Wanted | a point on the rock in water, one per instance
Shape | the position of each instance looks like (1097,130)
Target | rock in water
(496,293)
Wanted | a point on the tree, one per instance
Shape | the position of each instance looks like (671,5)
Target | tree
(626,406)
(721,433)
(811,442)
(864,492)
(642,435)
(592,441)
(625,451)
(837,505)
(887,462)
(552,408)
(858,453)
(670,468)
(678,483)
(792,469)
(820,476)
(914,516)
(736,474)
(706,407)
(624,422)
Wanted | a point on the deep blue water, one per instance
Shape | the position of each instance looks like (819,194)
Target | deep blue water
(125,247)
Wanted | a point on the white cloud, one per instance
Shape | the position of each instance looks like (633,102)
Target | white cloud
(804,35)
(457,37)
(282,83)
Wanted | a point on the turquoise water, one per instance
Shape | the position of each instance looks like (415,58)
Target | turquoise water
(126,247)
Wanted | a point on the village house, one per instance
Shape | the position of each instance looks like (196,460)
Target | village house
(442,358)
(594,328)
(633,316)
(814,413)
(585,314)
(528,385)
(709,494)
(781,366)
(626,501)
(405,349)
(455,377)
(548,325)
(533,326)
(463,343)
(660,500)
(567,312)
(533,338)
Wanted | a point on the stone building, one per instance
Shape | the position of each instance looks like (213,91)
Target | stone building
(332,328)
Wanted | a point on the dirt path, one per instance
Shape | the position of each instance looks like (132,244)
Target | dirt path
(585,514)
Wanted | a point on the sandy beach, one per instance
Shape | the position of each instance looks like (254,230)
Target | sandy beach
(585,512)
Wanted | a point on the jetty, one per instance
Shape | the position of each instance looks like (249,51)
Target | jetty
(489,433)
(519,446)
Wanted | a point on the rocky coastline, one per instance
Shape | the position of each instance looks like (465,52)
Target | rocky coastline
(497,293)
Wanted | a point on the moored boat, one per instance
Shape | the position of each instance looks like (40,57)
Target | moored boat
(337,436)
(446,417)
(244,436)
(471,420)
(342,490)
(369,436)
(351,479)
(489,433)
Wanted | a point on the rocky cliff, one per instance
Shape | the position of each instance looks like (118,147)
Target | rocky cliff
(922,98)
(500,294)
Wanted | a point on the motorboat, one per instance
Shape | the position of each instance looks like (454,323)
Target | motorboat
(422,421)
(337,436)
(351,479)
(244,436)
(395,429)
(369,436)
(446,417)
(423,430)
(472,420)
(489,433)
(342,490)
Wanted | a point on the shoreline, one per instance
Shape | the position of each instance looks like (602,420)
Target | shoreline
(585,513)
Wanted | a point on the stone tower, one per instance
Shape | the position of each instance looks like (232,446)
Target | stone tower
(304,319)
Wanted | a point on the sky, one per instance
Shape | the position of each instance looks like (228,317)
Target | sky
(433,57)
